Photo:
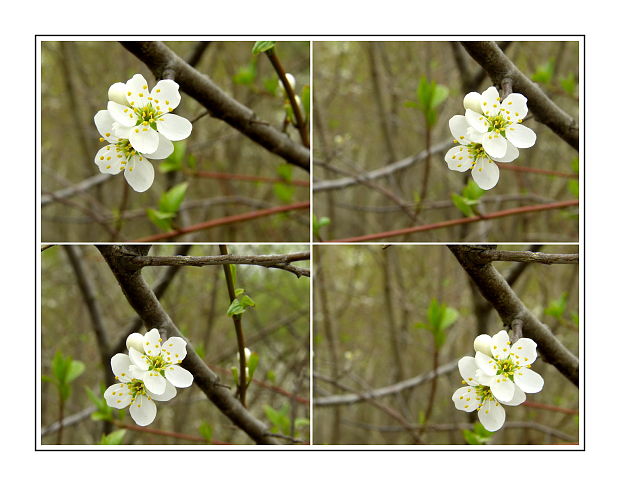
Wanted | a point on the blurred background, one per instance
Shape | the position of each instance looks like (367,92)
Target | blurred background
(366,115)
(277,329)
(75,77)
(372,310)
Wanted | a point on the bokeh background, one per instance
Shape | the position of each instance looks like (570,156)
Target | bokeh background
(368,303)
(278,329)
(75,77)
(363,120)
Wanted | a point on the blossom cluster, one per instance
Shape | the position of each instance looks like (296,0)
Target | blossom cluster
(149,372)
(489,132)
(138,125)
(499,374)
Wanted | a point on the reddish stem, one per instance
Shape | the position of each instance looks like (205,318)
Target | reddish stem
(243,177)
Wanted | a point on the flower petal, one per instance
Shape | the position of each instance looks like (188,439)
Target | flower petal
(485,173)
(138,359)
(137,91)
(494,144)
(500,345)
(117,396)
(169,393)
(117,92)
(120,367)
(458,127)
(529,381)
(502,388)
(174,127)
(174,350)
(520,136)
(139,173)
(144,139)
(465,399)
(474,135)
(467,368)
(486,364)
(122,114)
(511,153)
(515,106)
(166,95)
(179,376)
(164,148)
(489,101)
(107,160)
(104,123)
(152,342)
(524,351)
(517,399)
(472,101)
(482,343)
(477,121)
(492,415)
(154,382)
(458,158)
(143,410)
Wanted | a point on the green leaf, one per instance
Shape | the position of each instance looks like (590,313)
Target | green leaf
(462,205)
(284,192)
(235,373)
(271,85)
(59,366)
(252,364)
(429,96)
(239,291)
(557,307)
(75,369)
(568,83)
(233,274)
(159,219)
(301,422)
(174,162)
(245,75)
(573,187)
(305,99)
(285,171)
(205,431)
(544,72)
(262,46)
(171,200)
(318,223)
(439,95)
(279,418)
(240,305)
(472,192)
(478,436)
(114,438)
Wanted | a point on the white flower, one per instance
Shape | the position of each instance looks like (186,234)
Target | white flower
(133,393)
(506,370)
(291,80)
(147,114)
(470,154)
(121,155)
(498,125)
(158,367)
(478,396)
(135,340)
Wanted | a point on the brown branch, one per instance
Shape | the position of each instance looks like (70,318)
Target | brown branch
(238,218)
(247,178)
(496,290)
(166,433)
(456,222)
(67,192)
(499,67)
(163,62)
(488,256)
(146,305)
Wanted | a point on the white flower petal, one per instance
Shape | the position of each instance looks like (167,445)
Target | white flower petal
(465,399)
(483,378)
(489,101)
(529,381)
(138,359)
(152,342)
(486,364)
(139,173)
(122,114)
(500,346)
(178,376)
(104,123)
(485,174)
(169,393)
(472,102)
(492,415)
(117,396)
(521,136)
(137,91)
(474,135)
(512,153)
(458,158)
(136,373)
(515,106)
(477,121)
(118,93)
(144,139)
(458,127)
(120,367)
(166,95)
(135,340)
(173,350)
(154,382)
(517,399)
(482,343)
(164,148)
(502,388)
(524,351)
(143,410)
(174,127)
(467,368)
(107,160)
(494,144)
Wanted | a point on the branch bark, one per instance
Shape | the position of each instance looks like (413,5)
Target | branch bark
(144,302)
(164,63)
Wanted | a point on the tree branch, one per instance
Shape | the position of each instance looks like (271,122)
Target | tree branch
(144,302)
(488,256)
(163,62)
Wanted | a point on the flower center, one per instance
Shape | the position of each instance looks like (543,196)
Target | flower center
(148,115)
(506,367)
(476,151)
(157,364)
(136,387)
